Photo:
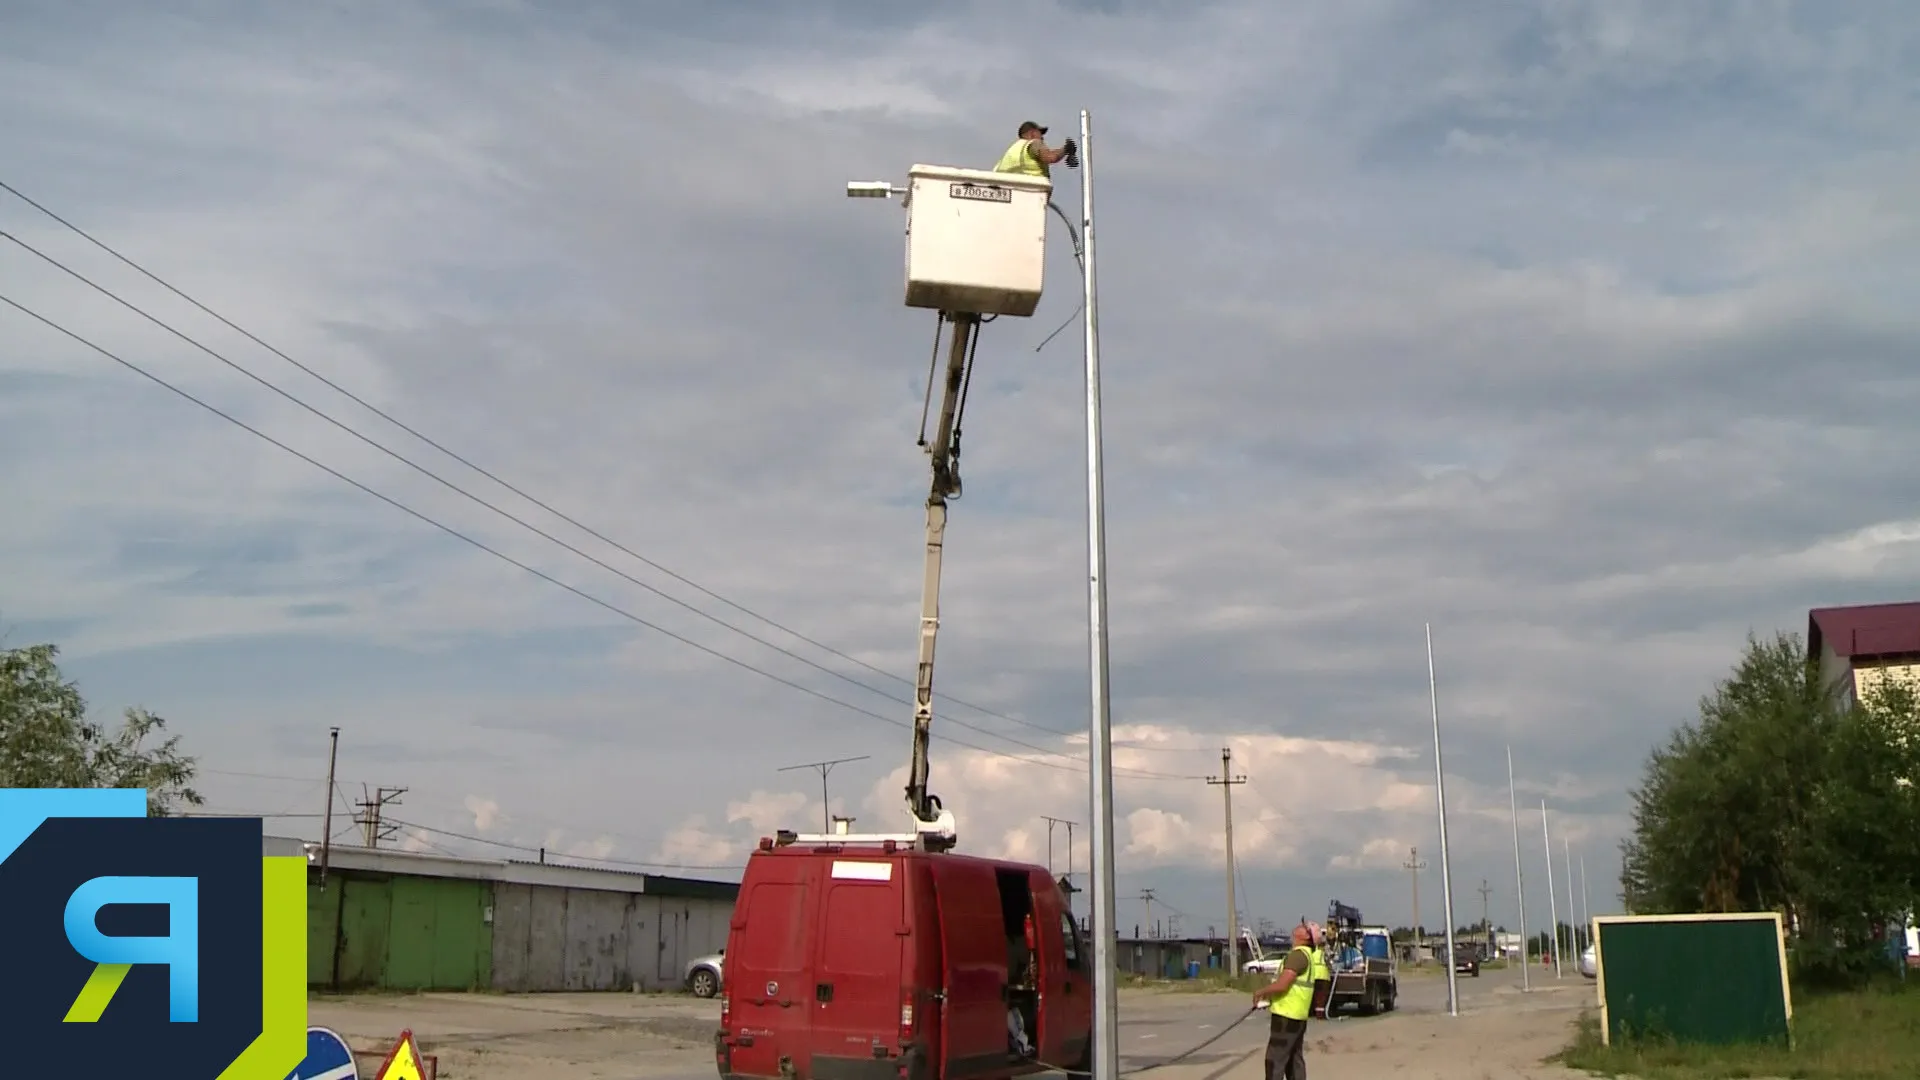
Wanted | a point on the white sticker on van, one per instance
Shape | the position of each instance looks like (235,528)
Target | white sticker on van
(863,871)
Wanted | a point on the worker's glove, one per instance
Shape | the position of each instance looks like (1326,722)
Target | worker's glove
(1072,150)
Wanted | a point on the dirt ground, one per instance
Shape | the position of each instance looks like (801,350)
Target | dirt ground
(1500,1034)
(532,1037)
(1502,1038)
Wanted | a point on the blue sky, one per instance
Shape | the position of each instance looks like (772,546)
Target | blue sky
(1582,330)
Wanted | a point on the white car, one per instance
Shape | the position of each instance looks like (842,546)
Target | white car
(706,974)
(1589,964)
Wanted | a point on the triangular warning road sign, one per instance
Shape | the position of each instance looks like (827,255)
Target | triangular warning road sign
(404,1062)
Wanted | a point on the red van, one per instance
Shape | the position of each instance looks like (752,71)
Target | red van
(883,961)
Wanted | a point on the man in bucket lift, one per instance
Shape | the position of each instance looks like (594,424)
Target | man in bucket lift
(1031,155)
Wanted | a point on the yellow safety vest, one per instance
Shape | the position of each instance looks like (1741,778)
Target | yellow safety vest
(1321,972)
(1019,159)
(1297,1002)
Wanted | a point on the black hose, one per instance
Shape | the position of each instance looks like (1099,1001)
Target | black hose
(1190,1051)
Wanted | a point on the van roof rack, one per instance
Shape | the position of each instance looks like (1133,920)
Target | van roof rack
(904,840)
(930,836)
(937,835)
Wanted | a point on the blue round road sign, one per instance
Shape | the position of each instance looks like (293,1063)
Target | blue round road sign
(327,1058)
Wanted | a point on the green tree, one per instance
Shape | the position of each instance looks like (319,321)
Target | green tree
(1857,871)
(1720,814)
(46,739)
(1782,798)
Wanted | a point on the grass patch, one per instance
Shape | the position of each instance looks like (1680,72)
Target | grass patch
(1871,1034)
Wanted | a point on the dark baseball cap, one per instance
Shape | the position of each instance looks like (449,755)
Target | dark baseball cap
(1031,126)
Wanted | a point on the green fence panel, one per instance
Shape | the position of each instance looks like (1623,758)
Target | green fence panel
(1693,979)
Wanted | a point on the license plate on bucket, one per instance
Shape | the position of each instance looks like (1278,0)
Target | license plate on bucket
(981,193)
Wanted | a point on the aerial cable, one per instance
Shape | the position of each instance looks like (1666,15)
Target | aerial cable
(469,463)
(510,560)
(529,526)
(1081,306)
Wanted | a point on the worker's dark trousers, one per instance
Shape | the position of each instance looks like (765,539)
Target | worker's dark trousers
(1286,1049)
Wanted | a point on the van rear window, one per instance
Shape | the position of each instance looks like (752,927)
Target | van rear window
(860,924)
(775,939)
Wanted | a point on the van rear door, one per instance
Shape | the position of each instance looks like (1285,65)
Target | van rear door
(1066,983)
(863,936)
(973,943)
(769,985)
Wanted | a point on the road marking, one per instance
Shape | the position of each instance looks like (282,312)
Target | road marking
(1149,1036)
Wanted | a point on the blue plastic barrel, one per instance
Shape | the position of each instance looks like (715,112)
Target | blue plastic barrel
(1193,969)
(1376,947)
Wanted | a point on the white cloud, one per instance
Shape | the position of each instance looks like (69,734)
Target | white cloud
(597,848)
(766,812)
(486,812)
(1380,853)
(691,844)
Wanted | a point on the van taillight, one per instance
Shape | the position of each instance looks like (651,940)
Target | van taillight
(724,1008)
(906,1014)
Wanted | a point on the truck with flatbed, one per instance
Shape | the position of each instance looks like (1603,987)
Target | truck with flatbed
(1360,957)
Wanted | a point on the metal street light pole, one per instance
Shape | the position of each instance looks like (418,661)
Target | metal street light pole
(1519,875)
(1440,794)
(1553,906)
(1106,1013)
(1573,932)
(1586,910)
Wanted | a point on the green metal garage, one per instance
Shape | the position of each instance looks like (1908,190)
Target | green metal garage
(394,920)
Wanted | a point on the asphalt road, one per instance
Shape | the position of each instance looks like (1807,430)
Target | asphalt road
(667,1037)
(1157,1027)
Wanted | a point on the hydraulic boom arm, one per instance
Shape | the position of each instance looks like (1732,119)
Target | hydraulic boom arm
(935,823)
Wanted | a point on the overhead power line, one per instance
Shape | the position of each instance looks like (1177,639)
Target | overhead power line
(522,522)
(469,463)
(527,567)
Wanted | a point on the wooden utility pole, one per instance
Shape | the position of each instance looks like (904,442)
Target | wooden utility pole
(1414,865)
(372,808)
(1146,897)
(1486,919)
(1051,822)
(1226,780)
(326,823)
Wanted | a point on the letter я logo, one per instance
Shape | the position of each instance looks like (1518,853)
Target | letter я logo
(164,999)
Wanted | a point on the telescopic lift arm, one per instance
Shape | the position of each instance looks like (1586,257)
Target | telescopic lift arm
(943,452)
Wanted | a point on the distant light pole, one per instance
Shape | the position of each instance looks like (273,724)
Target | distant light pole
(1586,911)
(1553,906)
(1573,933)
(1519,875)
(1440,793)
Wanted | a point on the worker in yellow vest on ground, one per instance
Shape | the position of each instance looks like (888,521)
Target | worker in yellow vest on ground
(1322,974)
(1292,1002)
(1031,155)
